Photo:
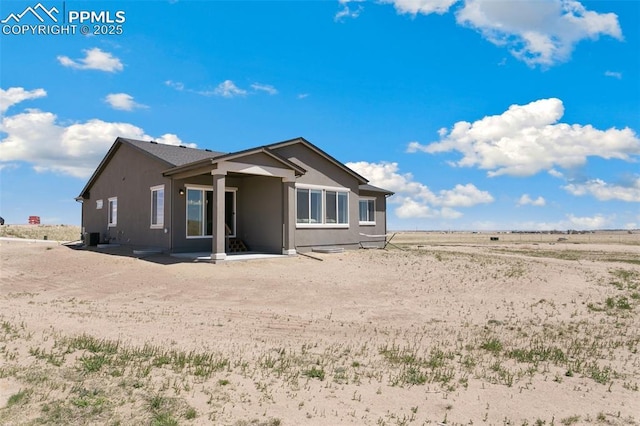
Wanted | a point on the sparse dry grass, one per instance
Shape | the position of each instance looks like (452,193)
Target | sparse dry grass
(476,342)
(484,238)
(41,232)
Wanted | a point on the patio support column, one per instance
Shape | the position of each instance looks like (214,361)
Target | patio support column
(289,217)
(218,239)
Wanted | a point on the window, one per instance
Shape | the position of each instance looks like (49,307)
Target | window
(113,212)
(199,215)
(343,207)
(367,210)
(157,206)
(302,206)
(317,206)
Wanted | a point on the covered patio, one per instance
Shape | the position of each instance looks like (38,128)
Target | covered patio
(247,196)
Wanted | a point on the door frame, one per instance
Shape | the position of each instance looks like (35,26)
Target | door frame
(234,211)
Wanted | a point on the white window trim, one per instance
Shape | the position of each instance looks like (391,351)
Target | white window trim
(367,222)
(193,186)
(328,188)
(159,225)
(115,222)
(323,199)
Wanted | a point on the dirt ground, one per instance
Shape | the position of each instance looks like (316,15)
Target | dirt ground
(447,331)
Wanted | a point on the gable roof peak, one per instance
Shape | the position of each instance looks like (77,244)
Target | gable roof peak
(303,141)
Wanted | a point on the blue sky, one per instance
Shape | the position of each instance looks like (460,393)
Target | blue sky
(479,114)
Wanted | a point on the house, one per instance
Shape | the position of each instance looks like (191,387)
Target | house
(280,198)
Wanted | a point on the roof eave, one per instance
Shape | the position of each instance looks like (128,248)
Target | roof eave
(299,171)
(188,167)
(101,166)
(116,144)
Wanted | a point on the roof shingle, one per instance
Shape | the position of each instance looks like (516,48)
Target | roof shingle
(172,154)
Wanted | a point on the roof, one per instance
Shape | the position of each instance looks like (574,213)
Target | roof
(180,158)
(172,154)
(371,188)
(236,155)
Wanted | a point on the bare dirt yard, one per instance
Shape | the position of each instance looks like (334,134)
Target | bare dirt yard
(454,330)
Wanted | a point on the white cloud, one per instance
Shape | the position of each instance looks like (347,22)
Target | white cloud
(38,138)
(122,101)
(525,199)
(175,85)
(228,89)
(95,59)
(604,191)
(463,196)
(347,11)
(555,173)
(527,139)
(424,7)
(537,32)
(416,200)
(302,95)
(589,222)
(264,88)
(172,139)
(14,95)
(613,74)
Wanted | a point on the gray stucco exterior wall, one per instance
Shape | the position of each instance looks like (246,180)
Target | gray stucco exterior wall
(263,182)
(260,213)
(322,172)
(129,177)
(380,227)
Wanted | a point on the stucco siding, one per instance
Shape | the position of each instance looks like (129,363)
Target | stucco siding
(324,173)
(380,227)
(260,159)
(320,171)
(260,213)
(129,177)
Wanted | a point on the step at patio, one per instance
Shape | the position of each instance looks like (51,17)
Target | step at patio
(236,245)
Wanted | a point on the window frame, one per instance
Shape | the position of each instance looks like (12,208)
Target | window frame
(112,213)
(158,208)
(367,222)
(203,190)
(322,190)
